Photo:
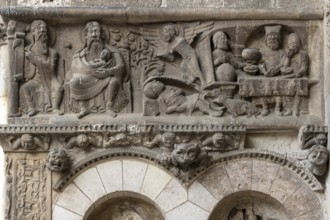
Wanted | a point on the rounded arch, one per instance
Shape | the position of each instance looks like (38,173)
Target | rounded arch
(124,205)
(234,175)
(260,179)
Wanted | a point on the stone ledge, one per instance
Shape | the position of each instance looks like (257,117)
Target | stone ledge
(154,14)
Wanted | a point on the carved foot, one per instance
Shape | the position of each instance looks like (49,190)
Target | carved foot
(278,112)
(216,113)
(83,113)
(32,112)
(264,112)
(57,111)
(288,112)
(111,113)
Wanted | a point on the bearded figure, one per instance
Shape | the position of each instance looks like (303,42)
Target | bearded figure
(273,58)
(57,160)
(95,77)
(42,91)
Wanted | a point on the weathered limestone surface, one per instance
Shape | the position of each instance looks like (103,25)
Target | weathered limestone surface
(164,109)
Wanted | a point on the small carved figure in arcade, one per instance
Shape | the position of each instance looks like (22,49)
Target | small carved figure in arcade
(224,61)
(42,91)
(58,160)
(98,73)
(297,61)
(273,57)
(29,142)
(164,141)
(220,142)
(84,141)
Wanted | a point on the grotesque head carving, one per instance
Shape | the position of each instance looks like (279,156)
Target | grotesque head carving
(186,154)
(318,155)
(27,142)
(82,141)
(57,160)
(169,139)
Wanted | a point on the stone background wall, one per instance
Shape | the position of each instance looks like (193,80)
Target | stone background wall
(281,5)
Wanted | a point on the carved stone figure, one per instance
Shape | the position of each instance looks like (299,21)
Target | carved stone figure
(247,212)
(121,139)
(84,141)
(186,156)
(98,73)
(42,90)
(297,60)
(236,107)
(220,142)
(164,141)
(175,101)
(273,57)
(317,159)
(178,44)
(223,59)
(319,139)
(57,160)
(29,142)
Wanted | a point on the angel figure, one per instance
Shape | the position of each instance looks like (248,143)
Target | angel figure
(169,41)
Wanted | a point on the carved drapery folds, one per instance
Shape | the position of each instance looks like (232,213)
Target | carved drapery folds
(196,68)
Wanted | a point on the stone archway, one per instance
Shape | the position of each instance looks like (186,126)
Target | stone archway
(233,176)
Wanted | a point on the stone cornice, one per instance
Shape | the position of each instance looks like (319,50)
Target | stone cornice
(152,15)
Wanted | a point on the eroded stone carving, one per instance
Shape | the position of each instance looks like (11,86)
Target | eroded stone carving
(98,73)
(83,141)
(251,212)
(42,90)
(313,142)
(29,142)
(9,185)
(58,160)
(29,189)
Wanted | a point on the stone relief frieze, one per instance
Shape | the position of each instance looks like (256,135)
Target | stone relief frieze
(183,68)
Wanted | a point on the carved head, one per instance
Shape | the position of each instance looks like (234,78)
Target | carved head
(219,140)
(39,31)
(294,42)
(82,141)
(273,36)
(105,55)
(321,139)
(93,33)
(27,142)
(169,139)
(186,154)
(169,32)
(57,160)
(153,89)
(318,155)
(220,40)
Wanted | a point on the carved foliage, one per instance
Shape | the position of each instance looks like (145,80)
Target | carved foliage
(28,190)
